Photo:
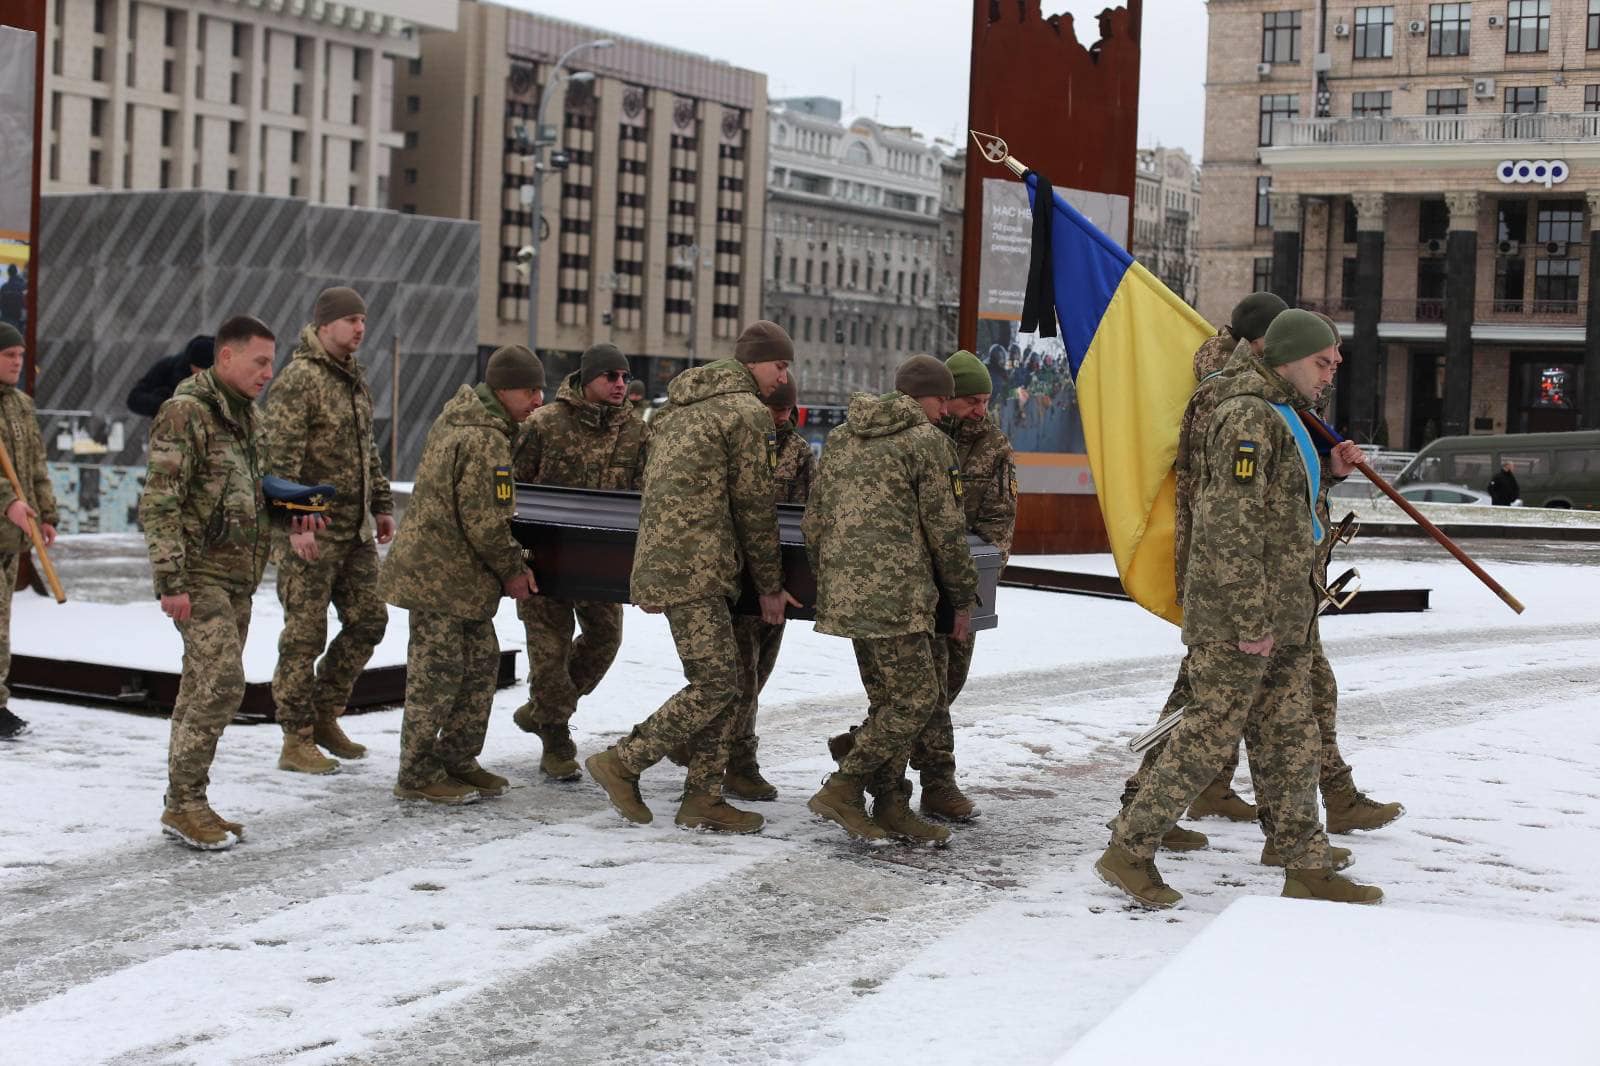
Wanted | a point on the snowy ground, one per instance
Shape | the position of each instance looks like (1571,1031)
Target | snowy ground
(541,928)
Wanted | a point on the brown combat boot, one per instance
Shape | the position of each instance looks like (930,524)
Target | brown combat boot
(701,810)
(300,755)
(841,745)
(840,800)
(236,828)
(621,785)
(1180,839)
(1329,886)
(331,736)
(560,759)
(743,777)
(1139,878)
(448,792)
(475,776)
(1350,810)
(943,798)
(200,829)
(1220,801)
(1338,858)
(892,813)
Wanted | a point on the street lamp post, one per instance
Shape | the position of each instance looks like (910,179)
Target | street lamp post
(541,137)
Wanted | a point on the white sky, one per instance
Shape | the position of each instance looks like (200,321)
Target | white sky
(903,60)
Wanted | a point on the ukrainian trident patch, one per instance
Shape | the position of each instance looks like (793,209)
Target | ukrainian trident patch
(1244,461)
(955,481)
(772,450)
(504,490)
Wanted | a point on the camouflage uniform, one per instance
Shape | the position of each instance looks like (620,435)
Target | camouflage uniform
(1252,554)
(205,522)
(19,427)
(579,444)
(758,643)
(448,566)
(707,517)
(989,498)
(885,531)
(318,426)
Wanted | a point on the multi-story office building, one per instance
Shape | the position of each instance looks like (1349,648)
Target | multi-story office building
(1166,218)
(947,285)
(286,97)
(1428,174)
(652,202)
(853,245)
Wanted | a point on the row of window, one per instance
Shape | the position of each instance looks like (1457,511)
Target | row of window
(856,332)
(1519,100)
(1560,221)
(1449,29)
(796,277)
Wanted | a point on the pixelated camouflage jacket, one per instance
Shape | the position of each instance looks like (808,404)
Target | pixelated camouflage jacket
(988,479)
(1215,353)
(707,514)
(1252,551)
(1196,416)
(19,428)
(796,466)
(884,526)
(455,549)
(318,427)
(581,444)
(205,519)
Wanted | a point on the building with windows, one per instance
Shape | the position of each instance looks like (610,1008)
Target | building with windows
(947,283)
(275,96)
(1429,175)
(653,200)
(1166,218)
(853,245)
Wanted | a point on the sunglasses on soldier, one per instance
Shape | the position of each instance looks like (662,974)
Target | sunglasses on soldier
(615,376)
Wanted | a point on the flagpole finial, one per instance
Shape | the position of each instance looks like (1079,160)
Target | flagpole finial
(995,150)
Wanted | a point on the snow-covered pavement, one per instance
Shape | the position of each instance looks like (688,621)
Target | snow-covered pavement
(541,928)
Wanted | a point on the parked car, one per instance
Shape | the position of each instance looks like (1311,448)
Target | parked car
(1439,492)
(1552,469)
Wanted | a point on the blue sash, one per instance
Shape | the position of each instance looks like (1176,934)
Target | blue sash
(1308,459)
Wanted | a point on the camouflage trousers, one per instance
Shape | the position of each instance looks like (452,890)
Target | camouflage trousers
(904,678)
(345,575)
(8,579)
(1263,699)
(1335,774)
(758,654)
(561,669)
(934,753)
(697,716)
(210,691)
(451,668)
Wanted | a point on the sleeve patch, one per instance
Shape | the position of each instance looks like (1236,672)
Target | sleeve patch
(772,449)
(955,481)
(504,490)
(1244,461)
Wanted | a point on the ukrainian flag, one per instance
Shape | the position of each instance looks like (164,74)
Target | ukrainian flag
(1130,342)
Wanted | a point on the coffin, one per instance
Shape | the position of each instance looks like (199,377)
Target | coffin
(581,546)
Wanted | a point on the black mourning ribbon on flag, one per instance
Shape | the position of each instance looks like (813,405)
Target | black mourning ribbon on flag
(1039,298)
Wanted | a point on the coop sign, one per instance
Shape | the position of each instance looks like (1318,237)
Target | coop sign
(1546,172)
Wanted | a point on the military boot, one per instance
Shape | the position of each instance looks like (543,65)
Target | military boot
(701,810)
(1180,839)
(943,798)
(743,775)
(1137,877)
(300,755)
(1338,858)
(560,759)
(1329,886)
(236,828)
(524,719)
(621,785)
(200,829)
(840,800)
(11,727)
(1350,810)
(841,745)
(475,776)
(330,736)
(892,813)
(1220,801)
(448,792)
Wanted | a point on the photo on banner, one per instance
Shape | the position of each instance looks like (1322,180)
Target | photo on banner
(16,171)
(1033,396)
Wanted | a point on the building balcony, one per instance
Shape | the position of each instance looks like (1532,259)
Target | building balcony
(1440,140)
(1509,320)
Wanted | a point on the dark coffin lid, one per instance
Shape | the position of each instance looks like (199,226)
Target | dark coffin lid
(582,545)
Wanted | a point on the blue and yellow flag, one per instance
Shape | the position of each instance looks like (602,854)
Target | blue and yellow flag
(1130,342)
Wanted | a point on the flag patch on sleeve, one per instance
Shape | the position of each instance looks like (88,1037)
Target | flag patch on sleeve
(1244,461)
